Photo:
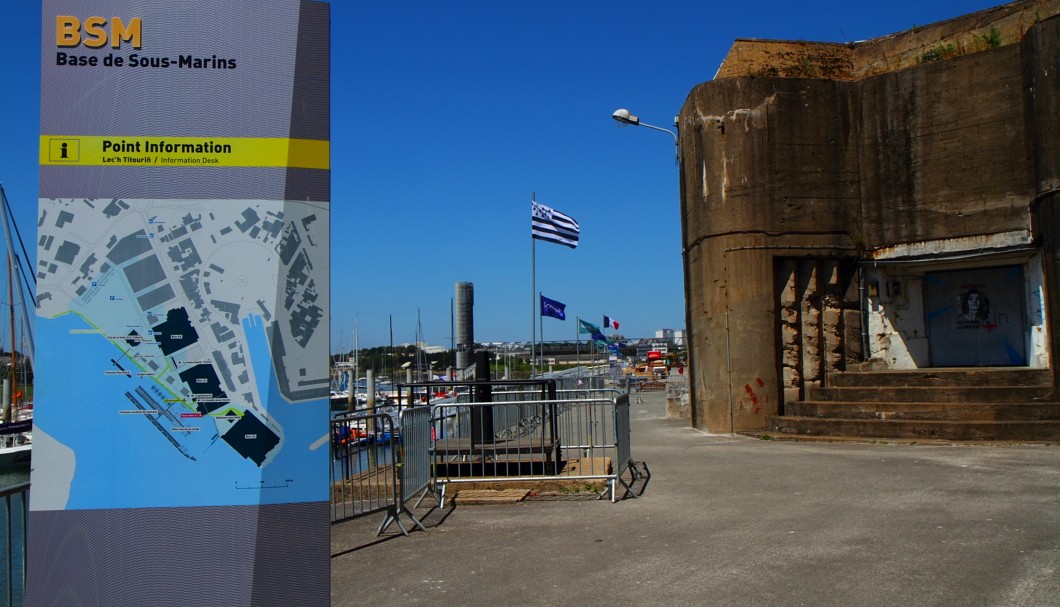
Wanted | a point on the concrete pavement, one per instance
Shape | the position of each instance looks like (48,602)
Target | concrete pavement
(739,521)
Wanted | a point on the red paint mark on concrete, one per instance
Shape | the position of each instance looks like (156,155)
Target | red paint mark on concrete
(754,397)
(755,408)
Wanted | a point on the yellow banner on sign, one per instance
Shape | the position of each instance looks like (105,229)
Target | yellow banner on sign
(59,150)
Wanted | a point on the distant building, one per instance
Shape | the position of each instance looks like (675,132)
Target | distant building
(464,321)
(674,337)
(651,345)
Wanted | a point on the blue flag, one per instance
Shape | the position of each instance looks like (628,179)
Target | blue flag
(553,308)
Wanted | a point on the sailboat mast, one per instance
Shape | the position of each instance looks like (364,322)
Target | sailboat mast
(11,297)
(421,362)
(7,220)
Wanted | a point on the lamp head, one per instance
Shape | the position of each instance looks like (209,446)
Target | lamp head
(622,115)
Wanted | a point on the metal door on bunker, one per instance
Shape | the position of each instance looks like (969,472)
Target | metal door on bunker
(976,317)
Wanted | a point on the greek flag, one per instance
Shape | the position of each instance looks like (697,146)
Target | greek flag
(551,225)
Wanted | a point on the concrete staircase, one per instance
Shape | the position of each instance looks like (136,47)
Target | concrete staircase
(966,404)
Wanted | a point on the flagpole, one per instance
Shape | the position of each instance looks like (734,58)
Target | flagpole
(578,339)
(533,295)
(550,225)
(541,330)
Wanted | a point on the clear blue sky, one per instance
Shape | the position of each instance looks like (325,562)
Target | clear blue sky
(446,116)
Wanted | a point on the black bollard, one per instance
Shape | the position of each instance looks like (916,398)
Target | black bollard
(482,416)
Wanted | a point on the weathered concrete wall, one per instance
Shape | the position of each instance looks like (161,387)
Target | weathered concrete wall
(785,158)
(971,33)
(750,58)
(966,34)
(678,399)
(942,150)
(789,168)
(817,322)
(761,180)
(1041,75)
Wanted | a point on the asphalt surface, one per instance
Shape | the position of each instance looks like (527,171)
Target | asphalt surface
(728,520)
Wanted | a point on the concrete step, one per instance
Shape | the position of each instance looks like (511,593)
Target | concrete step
(942,411)
(962,376)
(1045,430)
(933,394)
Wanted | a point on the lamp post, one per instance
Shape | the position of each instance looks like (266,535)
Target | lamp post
(623,116)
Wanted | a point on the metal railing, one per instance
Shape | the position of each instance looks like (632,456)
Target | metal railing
(15,504)
(416,473)
(365,470)
(525,433)
(578,440)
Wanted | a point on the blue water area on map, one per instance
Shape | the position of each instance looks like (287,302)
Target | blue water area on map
(123,461)
(302,424)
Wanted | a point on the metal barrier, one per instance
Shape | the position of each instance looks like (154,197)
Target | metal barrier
(416,473)
(625,457)
(14,516)
(366,458)
(577,440)
(524,431)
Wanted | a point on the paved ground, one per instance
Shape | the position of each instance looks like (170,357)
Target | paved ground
(739,521)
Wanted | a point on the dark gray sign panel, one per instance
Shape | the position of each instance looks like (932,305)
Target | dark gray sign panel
(181,412)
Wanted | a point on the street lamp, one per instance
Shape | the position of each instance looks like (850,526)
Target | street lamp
(623,116)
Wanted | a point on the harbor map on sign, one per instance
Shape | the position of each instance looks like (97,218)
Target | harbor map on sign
(188,370)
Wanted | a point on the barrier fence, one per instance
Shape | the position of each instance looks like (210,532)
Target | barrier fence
(575,442)
(416,477)
(524,433)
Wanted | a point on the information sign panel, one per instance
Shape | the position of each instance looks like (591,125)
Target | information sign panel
(181,381)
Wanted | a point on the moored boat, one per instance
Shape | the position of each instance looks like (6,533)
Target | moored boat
(16,423)
(16,442)
(16,456)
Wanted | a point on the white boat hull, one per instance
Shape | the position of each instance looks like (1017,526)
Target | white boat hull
(20,455)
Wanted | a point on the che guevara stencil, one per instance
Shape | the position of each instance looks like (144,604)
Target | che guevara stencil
(976,317)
